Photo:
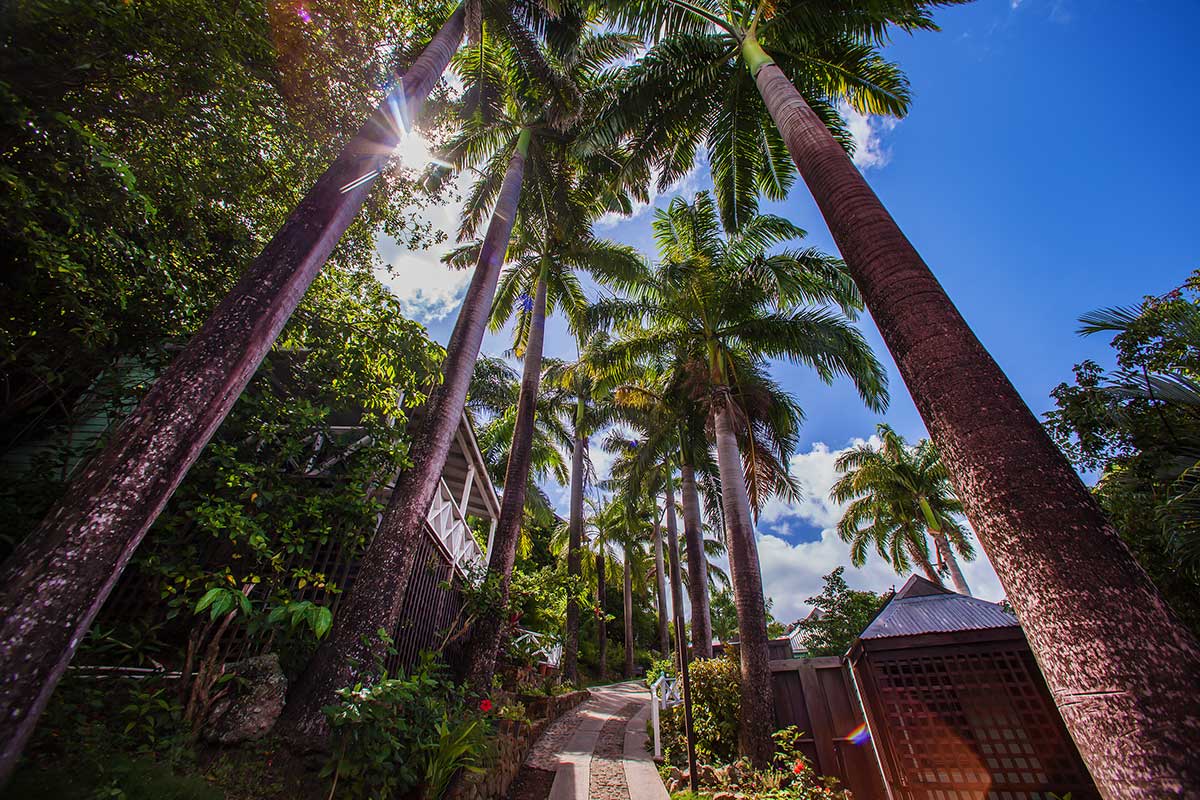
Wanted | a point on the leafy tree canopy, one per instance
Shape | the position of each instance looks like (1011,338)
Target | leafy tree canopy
(1138,427)
(841,614)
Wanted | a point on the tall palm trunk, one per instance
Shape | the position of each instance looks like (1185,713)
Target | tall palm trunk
(628,613)
(693,536)
(376,598)
(945,551)
(602,614)
(1123,670)
(59,577)
(488,629)
(574,555)
(947,557)
(918,555)
(681,644)
(660,575)
(758,708)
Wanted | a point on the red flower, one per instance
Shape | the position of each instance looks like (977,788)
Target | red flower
(799,766)
(485,705)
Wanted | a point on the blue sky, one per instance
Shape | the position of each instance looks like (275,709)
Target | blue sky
(1048,167)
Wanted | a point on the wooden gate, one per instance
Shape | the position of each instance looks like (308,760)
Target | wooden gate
(817,695)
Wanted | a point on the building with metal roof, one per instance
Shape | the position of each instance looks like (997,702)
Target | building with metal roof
(922,606)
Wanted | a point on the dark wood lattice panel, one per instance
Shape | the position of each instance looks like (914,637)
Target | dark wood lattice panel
(975,724)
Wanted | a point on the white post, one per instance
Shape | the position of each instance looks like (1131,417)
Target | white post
(654,717)
(466,495)
(487,557)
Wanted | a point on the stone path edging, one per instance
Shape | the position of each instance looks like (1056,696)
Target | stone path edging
(597,751)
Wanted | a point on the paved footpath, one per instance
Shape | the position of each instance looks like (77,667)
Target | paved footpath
(597,751)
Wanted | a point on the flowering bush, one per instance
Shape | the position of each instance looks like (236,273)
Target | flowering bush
(405,733)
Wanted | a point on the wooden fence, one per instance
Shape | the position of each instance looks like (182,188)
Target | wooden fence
(817,695)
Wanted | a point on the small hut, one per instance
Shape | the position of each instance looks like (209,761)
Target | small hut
(957,707)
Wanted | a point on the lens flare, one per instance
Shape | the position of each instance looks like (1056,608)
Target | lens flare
(860,735)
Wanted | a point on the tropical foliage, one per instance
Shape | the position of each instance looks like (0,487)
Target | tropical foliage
(839,615)
(1136,428)
(896,494)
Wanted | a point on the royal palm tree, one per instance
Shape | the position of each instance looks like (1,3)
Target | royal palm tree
(541,278)
(591,411)
(722,307)
(896,494)
(57,580)
(1070,579)
(495,390)
(670,424)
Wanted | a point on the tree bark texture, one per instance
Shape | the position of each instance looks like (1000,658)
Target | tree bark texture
(1124,672)
(664,635)
(574,559)
(376,599)
(628,597)
(485,637)
(946,554)
(693,536)
(58,578)
(757,721)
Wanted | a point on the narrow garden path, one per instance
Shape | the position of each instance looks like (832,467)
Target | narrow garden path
(597,751)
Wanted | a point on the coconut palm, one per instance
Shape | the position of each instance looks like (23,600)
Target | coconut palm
(722,307)
(896,494)
(1070,579)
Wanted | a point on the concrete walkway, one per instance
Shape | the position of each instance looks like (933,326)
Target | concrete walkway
(598,751)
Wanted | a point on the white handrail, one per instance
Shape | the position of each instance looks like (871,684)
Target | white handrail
(546,646)
(663,694)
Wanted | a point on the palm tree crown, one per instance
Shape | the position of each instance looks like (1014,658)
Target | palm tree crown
(896,494)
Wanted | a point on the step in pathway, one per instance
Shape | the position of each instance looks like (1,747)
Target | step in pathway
(597,751)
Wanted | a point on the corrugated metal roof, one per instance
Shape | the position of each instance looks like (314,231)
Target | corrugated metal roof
(922,607)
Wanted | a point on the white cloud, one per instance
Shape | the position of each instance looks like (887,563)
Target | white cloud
(868,131)
(685,187)
(792,572)
(428,290)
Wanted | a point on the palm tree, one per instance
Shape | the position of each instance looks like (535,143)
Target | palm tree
(1071,580)
(495,390)
(377,597)
(541,278)
(723,306)
(56,581)
(671,423)
(896,494)
(591,411)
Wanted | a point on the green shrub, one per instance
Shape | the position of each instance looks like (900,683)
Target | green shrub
(716,699)
(404,733)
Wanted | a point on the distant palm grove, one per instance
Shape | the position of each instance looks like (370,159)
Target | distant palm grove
(206,387)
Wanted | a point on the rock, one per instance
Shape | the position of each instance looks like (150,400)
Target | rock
(724,796)
(250,712)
